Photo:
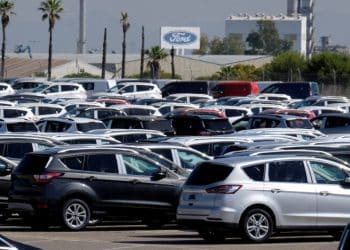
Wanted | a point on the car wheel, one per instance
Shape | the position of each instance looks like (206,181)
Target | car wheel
(257,225)
(212,236)
(75,214)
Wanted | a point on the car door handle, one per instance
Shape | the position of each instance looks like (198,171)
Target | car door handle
(275,190)
(135,181)
(91,178)
(324,193)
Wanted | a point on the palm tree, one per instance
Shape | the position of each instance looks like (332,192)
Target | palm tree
(155,54)
(6,8)
(125,25)
(50,10)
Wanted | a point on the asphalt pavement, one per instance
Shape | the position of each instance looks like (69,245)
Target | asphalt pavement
(134,236)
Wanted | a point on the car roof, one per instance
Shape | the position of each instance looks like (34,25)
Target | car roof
(259,159)
(71,119)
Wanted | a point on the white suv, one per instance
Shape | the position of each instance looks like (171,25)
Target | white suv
(133,90)
(61,90)
(259,195)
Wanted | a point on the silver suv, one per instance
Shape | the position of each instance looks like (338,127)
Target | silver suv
(259,195)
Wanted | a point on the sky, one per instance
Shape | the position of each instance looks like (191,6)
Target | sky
(27,28)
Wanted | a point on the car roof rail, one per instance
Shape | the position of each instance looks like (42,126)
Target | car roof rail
(296,151)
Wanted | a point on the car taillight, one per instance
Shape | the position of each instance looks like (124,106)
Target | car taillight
(224,189)
(46,177)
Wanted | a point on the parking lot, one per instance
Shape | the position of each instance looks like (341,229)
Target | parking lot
(126,236)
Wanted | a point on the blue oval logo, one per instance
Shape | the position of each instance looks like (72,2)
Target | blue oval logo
(180,37)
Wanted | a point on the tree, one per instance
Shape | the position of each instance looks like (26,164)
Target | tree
(125,26)
(204,45)
(232,45)
(266,39)
(269,35)
(287,66)
(239,72)
(330,68)
(6,8)
(255,42)
(50,10)
(155,54)
(215,46)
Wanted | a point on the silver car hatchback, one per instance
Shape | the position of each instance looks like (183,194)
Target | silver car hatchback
(259,195)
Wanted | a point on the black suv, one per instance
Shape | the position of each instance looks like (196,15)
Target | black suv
(76,185)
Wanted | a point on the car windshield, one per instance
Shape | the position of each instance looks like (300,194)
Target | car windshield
(40,88)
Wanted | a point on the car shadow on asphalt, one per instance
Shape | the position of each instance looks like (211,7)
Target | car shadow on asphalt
(195,239)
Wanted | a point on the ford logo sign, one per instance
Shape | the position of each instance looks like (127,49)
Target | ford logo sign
(180,37)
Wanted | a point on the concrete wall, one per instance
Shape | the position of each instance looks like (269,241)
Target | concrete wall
(187,68)
(77,67)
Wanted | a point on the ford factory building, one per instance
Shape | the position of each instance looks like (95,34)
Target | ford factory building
(291,28)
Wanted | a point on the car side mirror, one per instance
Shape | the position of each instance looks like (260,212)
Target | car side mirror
(5,170)
(158,175)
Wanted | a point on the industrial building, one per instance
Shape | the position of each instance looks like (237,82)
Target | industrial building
(297,25)
(290,28)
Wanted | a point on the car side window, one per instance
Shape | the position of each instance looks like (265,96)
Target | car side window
(204,148)
(143,88)
(166,153)
(188,159)
(287,171)
(68,88)
(256,172)
(327,174)
(52,89)
(317,123)
(106,163)
(241,124)
(55,126)
(137,166)
(17,150)
(74,162)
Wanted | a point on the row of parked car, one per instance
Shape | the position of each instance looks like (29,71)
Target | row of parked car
(253,165)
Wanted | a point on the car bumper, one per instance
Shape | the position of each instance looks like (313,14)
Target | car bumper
(216,214)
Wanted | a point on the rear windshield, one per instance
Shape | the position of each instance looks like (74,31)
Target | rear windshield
(207,173)
(84,127)
(161,125)
(32,164)
(22,127)
(221,125)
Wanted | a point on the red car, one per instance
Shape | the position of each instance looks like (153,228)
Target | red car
(296,112)
(110,102)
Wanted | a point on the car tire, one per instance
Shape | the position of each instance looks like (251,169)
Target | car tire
(75,214)
(39,223)
(212,236)
(154,223)
(257,225)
